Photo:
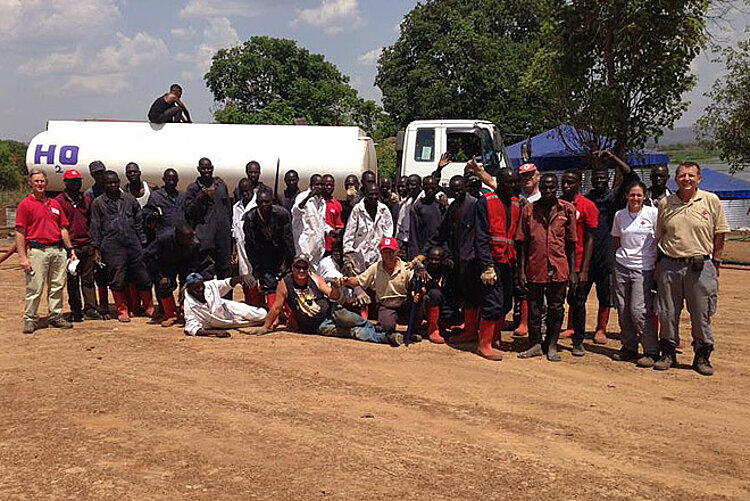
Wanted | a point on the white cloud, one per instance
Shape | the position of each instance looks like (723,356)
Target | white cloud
(183,33)
(218,34)
(219,8)
(128,53)
(108,84)
(370,58)
(333,16)
(54,21)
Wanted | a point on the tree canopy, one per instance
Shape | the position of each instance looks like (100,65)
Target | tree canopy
(12,164)
(619,68)
(273,81)
(725,124)
(458,59)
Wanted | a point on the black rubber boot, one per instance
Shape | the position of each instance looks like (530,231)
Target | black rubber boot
(701,364)
(625,355)
(668,358)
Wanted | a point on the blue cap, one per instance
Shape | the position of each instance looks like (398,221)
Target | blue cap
(192,278)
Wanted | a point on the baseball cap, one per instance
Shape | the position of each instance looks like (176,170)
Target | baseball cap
(301,258)
(71,174)
(527,167)
(96,166)
(389,243)
(193,278)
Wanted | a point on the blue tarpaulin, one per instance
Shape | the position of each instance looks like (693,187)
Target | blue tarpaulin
(723,185)
(560,149)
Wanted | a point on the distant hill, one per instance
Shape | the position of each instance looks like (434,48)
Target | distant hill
(680,135)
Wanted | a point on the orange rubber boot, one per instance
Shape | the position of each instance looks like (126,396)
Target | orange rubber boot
(170,311)
(568,332)
(146,301)
(433,325)
(471,325)
(486,335)
(602,319)
(523,326)
(121,302)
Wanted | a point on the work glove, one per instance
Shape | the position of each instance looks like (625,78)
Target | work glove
(489,277)
(416,264)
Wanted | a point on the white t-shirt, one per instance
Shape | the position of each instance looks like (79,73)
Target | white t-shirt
(637,234)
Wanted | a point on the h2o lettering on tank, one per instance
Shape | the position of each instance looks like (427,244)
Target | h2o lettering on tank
(66,155)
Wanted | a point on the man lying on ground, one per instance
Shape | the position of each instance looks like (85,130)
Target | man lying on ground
(310,300)
(208,314)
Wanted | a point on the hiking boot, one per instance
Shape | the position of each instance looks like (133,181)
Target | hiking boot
(59,322)
(76,316)
(395,338)
(92,315)
(625,355)
(578,350)
(534,351)
(668,358)
(29,326)
(647,361)
(701,364)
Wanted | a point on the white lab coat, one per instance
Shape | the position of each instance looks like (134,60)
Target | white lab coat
(297,214)
(363,234)
(238,233)
(217,312)
(311,241)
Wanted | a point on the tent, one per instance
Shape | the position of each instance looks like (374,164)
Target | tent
(560,149)
(723,185)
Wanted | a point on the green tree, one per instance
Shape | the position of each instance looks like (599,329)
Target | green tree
(725,125)
(459,59)
(273,81)
(619,68)
(12,164)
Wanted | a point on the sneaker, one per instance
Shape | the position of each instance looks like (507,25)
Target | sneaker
(92,315)
(29,326)
(578,350)
(59,322)
(395,338)
(625,356)
(647,361)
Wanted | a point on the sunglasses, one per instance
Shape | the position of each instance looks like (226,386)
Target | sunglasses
(300,267)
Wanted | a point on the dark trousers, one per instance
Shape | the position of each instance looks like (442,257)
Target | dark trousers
(389,315)
(125,266)
(554,294)
(497,299)
(83,282)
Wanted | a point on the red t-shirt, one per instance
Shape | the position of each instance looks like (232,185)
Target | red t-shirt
(78,213)
(587,218)
(41,221)
(333,219)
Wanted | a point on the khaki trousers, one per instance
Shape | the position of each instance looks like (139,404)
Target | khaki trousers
(49,267)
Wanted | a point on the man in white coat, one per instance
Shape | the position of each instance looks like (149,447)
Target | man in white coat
(207,313)
(246,203)
(309,216)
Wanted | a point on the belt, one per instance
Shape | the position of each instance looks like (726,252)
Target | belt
(690,259)
(33,244)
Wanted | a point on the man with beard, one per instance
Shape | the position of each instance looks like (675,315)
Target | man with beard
(209,212)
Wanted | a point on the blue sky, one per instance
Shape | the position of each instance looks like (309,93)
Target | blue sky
(74,59)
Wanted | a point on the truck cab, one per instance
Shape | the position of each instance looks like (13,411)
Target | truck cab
(420,146)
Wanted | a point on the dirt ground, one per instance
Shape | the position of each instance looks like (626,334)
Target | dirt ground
(106,411)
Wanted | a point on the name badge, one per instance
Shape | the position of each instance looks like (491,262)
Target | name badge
(55,211)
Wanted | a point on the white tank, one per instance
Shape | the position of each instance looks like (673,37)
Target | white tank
(155,147)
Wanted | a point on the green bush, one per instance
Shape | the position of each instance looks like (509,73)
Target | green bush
(12,164)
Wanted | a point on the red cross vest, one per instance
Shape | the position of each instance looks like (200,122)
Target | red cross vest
(502,234)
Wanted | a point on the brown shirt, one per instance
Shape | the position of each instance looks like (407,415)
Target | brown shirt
(388,287)
(686,229)
(544,237)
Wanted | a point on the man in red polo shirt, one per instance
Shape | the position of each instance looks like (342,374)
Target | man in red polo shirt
(77,208)
(546,264)
(587,221)
(41,238)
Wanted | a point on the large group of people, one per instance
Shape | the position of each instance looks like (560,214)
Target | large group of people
(448,261)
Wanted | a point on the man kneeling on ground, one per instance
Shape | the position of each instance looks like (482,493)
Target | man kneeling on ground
(310,300)
(208,314)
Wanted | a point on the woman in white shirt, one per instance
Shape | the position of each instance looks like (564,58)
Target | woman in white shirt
(634,232)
